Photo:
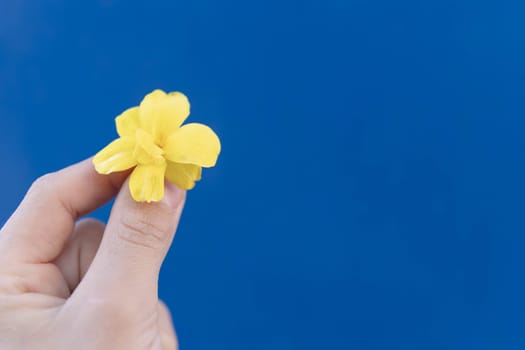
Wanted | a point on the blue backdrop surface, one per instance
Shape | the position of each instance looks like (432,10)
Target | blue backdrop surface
(370,191)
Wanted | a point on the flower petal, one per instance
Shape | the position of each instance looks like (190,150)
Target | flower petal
(146,152)
(128,122)
(193,144)
(162,114)
(183,175)
(117,156)
(198,174)
(146,183)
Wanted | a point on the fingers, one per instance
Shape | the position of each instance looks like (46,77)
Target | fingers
(44,221)
(79,252)
(168,338)
(136,240)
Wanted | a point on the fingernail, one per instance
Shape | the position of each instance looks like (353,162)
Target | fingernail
(173,195)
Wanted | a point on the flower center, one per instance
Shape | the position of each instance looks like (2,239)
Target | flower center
(146,152)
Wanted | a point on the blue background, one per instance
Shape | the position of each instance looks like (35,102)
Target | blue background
(370,193)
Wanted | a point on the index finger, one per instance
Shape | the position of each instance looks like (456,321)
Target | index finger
(42,224)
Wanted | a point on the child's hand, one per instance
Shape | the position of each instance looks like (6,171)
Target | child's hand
(82,285)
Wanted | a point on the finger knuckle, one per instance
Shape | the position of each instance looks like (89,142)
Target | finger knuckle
(88,235)
(43,183)
(144,229)
(91,225)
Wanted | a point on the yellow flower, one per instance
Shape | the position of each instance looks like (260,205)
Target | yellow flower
(153,141)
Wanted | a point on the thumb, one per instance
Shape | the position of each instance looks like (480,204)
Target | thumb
(135,243)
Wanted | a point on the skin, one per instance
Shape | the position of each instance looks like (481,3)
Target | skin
(70,284)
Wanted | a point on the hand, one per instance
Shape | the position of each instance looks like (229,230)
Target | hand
(82,285)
